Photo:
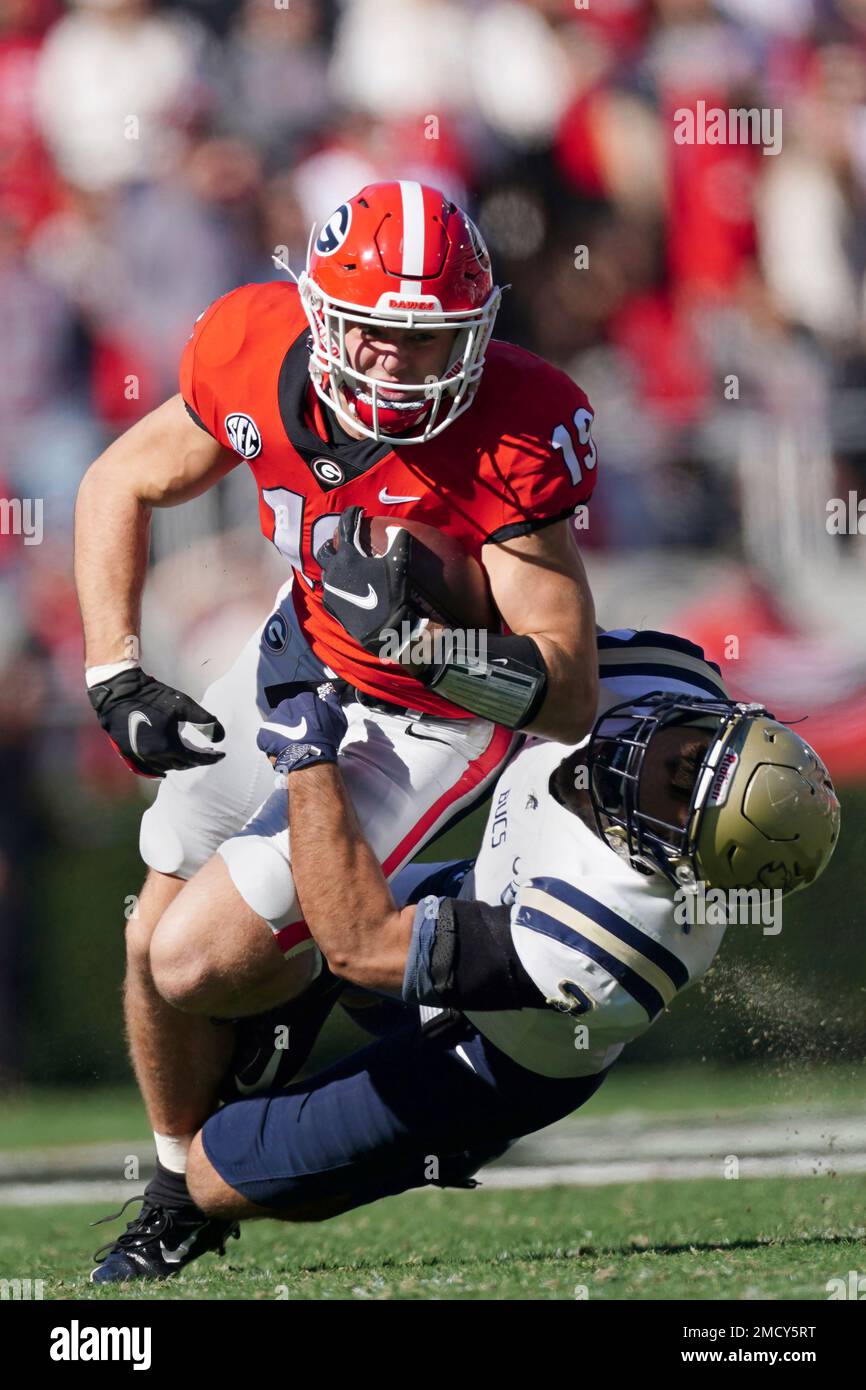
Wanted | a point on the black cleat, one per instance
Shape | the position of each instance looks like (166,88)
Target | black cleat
(159,1242)
(273,1047)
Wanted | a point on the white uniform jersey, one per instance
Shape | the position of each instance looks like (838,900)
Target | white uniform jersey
(593,933)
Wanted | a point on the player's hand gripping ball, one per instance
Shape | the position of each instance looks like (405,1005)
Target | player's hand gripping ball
(367,593)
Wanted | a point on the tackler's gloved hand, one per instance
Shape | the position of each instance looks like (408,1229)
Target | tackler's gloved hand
(305,728)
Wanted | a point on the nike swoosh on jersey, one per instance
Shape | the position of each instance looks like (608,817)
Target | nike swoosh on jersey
(385,496)
(266,1079)
(174,1257)
(360,601)
(136,719)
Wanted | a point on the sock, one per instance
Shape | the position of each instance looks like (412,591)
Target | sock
(168,1189)
(172,1150)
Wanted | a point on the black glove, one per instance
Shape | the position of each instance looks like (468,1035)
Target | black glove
(304,729)
(142,717)
(366,593)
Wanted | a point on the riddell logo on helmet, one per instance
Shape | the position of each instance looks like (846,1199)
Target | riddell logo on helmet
(722,780)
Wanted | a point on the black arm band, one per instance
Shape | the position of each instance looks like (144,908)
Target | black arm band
(473,962)
(506,682)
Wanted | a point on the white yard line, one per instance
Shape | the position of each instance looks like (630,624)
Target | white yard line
(632,1135)
(60,1194)
(629,1147)
(801,1165)
(503,1177)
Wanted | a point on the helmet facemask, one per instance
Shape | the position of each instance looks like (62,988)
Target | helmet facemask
(384,409)
(619,759)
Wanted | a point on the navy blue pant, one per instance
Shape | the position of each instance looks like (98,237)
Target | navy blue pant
(403,1112)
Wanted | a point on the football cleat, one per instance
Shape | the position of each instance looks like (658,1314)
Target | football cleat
(273,1047)
(159,1242)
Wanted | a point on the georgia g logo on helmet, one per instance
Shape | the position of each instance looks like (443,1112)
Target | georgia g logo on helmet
(334,231)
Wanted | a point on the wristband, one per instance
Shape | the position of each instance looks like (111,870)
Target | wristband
(95,675)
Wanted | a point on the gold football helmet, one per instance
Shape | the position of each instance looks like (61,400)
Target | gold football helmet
(758,811)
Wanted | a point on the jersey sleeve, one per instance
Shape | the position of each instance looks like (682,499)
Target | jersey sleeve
(549,458)
(589,960)
(216,341)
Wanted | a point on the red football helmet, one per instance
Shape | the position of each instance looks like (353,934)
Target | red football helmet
(398,255)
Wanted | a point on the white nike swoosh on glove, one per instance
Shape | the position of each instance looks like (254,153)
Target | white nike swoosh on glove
(385,496)
(136,719)
(288,730)
(372,598)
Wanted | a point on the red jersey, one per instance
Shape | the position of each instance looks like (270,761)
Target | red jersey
(518,459)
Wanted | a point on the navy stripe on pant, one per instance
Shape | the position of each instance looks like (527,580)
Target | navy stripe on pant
(369,1126)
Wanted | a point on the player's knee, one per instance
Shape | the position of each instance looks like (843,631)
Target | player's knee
(182,974)
(138,938)
(143,912)
(263,876)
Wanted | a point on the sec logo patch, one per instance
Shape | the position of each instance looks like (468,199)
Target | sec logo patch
(276,633)
(243,433)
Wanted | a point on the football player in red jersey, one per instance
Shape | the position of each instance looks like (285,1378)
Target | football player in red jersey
(373,385)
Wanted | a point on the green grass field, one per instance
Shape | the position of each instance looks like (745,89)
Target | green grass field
(776,1238)
(33,1118)
(756,1239)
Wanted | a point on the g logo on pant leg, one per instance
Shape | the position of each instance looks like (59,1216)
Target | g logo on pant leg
(276,634)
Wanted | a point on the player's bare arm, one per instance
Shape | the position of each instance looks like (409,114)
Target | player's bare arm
(343,892)
(162,461)
(346,900)
(540,588)
(341,888)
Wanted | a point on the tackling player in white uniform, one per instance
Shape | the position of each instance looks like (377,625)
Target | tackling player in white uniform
(568,922)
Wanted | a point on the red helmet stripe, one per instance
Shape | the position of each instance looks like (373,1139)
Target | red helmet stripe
(412,196)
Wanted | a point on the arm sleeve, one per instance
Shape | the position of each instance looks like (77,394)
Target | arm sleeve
(462,956)
(550,462)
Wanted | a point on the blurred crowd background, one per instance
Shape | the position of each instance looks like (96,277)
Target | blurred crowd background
(709,298)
